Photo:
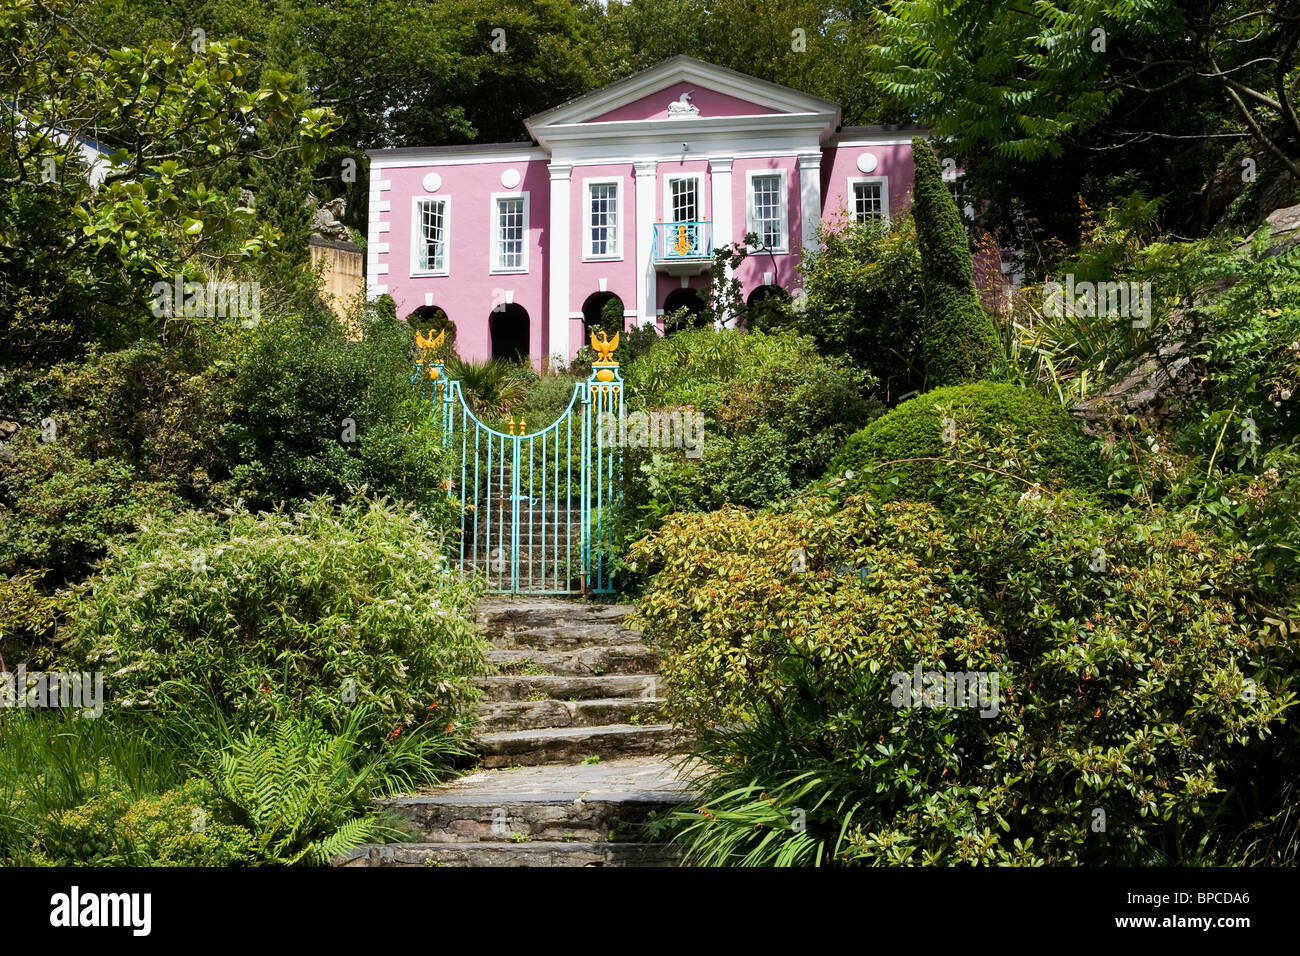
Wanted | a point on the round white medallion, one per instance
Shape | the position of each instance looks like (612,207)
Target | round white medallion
(867,162)
(510,178)
(432,182)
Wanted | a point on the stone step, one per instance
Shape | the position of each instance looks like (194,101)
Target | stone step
(568,687)
(593,712)
(500,615)
(617,659)
(605,802)
(510,854)
(567,636)
(556,745)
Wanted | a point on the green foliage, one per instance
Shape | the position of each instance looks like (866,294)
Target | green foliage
(958,339)
(68,509)
(492,389)
(196,791)
(29,619)
(175,122)
(931,427)
(1116,689)
(773,413)
(284,613)
(863,300)
(305,793)
(115,829)
(611,316)
(319,413)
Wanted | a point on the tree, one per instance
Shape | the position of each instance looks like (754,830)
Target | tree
(1090,95)
(79,262)
(958,339)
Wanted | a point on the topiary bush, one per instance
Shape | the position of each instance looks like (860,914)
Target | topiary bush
(312,611)
(958,338)
(931,426)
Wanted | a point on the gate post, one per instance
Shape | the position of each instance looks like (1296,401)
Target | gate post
(603,463)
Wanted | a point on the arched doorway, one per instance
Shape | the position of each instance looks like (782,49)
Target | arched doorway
(602,311)
(765,306)
(687,299)
(508,328)
(430,320)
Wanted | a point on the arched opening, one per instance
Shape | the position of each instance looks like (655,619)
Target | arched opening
(430,320)
(765,306)
(687,299)
(508,328)
(603,311)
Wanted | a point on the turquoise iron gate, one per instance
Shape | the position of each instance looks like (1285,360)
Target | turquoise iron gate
(536,508)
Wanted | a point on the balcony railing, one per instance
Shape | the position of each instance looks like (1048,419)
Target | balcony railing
(683,241)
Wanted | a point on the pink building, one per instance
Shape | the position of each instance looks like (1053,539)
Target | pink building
(624,192)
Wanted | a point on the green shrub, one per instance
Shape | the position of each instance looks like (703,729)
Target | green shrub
(174,828)
(958,338)
(1134,684)
(67,509)
(318,413)
(29,620)
(754,390)
(932,425)
(284,613)
(102,444)
(863,300)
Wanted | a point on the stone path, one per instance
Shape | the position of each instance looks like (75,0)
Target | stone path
(573,750)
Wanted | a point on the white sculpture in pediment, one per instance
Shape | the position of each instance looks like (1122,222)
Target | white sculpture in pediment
(682,107)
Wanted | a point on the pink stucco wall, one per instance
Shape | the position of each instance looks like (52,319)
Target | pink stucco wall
(620,273)
(784,265)
(468,293)
(708,102)
(839,165)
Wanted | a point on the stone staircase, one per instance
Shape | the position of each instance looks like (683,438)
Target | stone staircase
(572,744)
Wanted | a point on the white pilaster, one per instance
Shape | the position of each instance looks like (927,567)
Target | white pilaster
(810,196)
(558,252)
(720,176)
(646,283)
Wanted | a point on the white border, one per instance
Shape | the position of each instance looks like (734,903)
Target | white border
(785,205)
(851,200)
(495,233)
(587,183)
(417,238)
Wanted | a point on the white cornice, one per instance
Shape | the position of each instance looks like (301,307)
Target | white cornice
(439,157)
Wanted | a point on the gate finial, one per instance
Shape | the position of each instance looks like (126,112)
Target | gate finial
(428,345)
(604,346)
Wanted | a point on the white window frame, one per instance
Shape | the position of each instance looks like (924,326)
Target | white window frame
(417,235)
(669,179)
(751,218)
(494,265)
(587,254)
(884,194)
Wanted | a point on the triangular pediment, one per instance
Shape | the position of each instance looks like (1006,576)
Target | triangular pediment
(682,89)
